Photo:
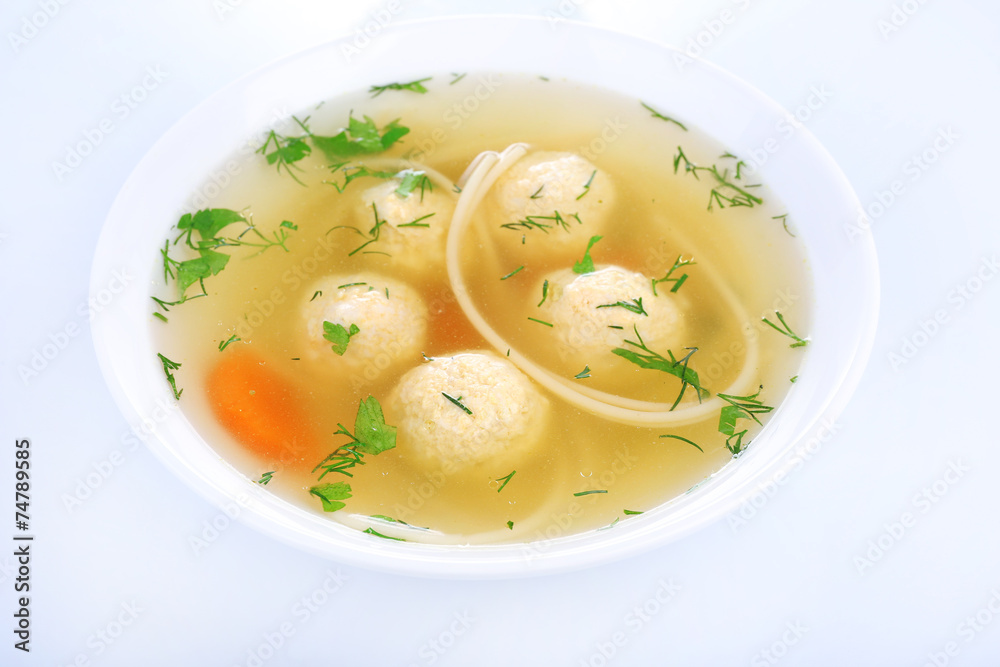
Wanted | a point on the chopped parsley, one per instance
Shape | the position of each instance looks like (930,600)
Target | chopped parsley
(510,525)
(266,477)
(411,180)
(339,335)
(371,436)
(586,265)
(332,495)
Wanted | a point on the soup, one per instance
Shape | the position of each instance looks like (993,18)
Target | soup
(476,309)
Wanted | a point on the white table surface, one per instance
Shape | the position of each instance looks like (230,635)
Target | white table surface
(115,580)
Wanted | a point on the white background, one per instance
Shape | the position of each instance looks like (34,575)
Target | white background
(791,561)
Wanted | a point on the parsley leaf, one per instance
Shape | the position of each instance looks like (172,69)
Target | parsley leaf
(586,265)
(360,137)
(339,335)
(373,435)
(330,494)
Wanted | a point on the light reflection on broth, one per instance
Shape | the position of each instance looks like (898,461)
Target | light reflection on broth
(448,466)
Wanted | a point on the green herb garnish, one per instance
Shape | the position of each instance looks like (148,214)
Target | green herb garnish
(458,77)
(339,335)
(515,271)
(587,493)
(505,479)
(510,525)
(690,442)
(655,361)
(226,343)
(359,138)
(331,495)
(726,192)
(740,407)
(586,186)
(631,512)
(545,293)
(371,436)
(417,222)
(284,151)
(634,307)
(412,180)
(458,402)
(372,531)
(786,330)
(266,477)
(657,114)
(316,294)
(678,263)
(168,368)
(586,265)
(544,222)
(413,86)
(548,324)
(784,223)
(584,374)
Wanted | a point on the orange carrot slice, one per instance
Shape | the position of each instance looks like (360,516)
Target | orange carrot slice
(262,408)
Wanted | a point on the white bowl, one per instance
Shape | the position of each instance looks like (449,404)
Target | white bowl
(800,172)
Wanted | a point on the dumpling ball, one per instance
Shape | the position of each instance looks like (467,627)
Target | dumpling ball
(376,323)
(497,413)
(562,190)
(416,220)
(593,313)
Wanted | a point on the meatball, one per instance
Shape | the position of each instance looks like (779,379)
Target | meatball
(593,313)
(391,320)
(416,228)
(562,190)
(496,412)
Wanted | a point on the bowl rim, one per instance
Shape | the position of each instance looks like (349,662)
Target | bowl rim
(723,492)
